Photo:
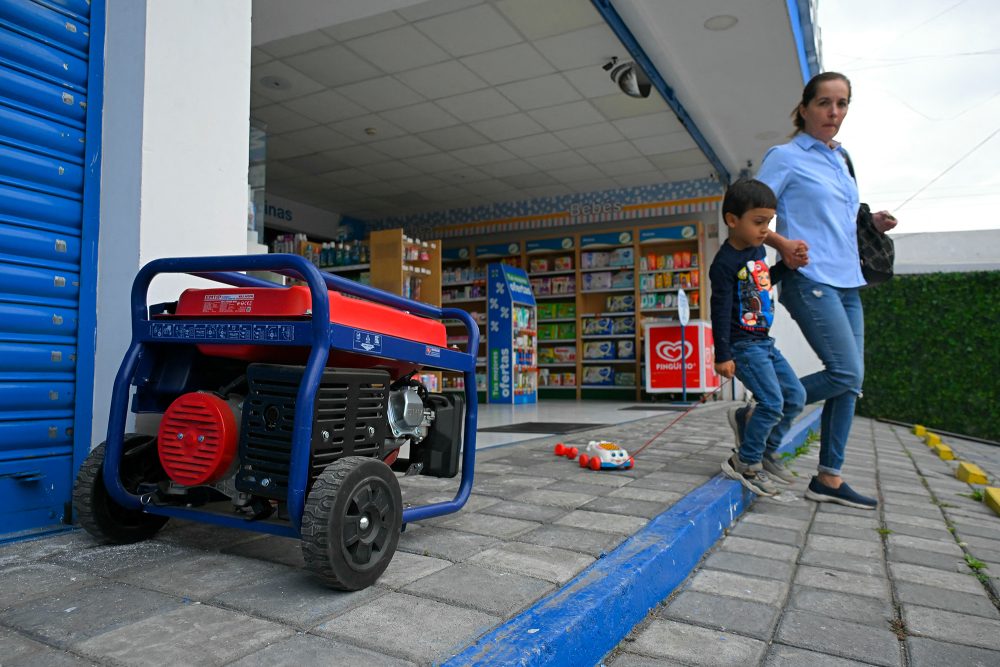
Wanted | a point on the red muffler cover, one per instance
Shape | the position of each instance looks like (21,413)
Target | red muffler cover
(197,439)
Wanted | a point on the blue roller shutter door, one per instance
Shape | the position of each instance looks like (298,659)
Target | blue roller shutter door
(44,48)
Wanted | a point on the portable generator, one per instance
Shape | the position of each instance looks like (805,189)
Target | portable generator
(282,410)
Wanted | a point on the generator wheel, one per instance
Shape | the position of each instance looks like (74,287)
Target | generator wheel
(101,516)
(351,522)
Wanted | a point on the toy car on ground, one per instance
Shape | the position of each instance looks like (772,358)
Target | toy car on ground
(603,455)
(281,410)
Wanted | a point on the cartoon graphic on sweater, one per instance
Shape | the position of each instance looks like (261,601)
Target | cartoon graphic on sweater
(754,292)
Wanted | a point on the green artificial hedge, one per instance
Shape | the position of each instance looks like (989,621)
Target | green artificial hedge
(932,352)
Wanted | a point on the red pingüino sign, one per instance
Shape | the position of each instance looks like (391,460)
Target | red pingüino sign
(663,357)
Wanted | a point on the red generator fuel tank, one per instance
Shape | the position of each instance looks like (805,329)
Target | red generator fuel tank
(273,303)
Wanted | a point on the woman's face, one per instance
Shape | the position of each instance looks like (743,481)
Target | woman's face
(825,112)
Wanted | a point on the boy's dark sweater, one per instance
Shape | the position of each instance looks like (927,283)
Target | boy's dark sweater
(740,309)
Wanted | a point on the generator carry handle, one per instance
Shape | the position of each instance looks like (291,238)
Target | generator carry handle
(225,269)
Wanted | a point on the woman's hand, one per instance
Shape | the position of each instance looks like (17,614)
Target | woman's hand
(726,369)
(884,221)
(795,253)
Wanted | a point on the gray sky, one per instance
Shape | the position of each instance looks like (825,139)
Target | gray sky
(925,76)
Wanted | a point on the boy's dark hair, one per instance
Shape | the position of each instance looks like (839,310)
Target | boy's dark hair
(746,194)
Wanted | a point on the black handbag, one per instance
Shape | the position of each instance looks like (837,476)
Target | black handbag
(876,250)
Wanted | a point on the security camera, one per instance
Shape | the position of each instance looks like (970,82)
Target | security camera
(630,78)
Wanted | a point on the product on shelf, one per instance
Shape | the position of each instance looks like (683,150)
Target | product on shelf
(546,311)
(624,379)
(599,375)
(564,263)
(621,257)
(621,303)
(603,349)
(626,349)
(597,326)
(622,325)
(565,310)
(566,330)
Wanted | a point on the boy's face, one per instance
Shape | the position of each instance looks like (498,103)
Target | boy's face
(749,229)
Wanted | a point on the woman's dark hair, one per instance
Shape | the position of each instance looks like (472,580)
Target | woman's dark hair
(809,92)
(746,194)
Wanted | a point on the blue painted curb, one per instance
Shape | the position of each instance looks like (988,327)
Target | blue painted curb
(589,616)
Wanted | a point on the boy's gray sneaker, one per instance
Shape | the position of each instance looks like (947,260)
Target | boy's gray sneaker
(750,475)
(776,470)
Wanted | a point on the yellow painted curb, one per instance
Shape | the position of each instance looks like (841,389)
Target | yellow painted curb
(919,430)
(970,473)
(944,451)
(932,439)
(991,496)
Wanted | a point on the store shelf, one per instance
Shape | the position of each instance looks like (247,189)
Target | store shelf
(347,268)
(556,340)
(470,300)
(608,386)
(608,268)
(609,290)
(599,337)
(665,310)
(570,364)
(562,272)
(604,362)
(655,271)
(668,289)
(555,296)
(558,319)
(557,386)
(480,281)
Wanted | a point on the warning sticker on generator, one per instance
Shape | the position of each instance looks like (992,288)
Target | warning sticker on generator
(228,303)
(366,341)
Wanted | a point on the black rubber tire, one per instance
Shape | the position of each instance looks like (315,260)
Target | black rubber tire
(101,516)
(335,545)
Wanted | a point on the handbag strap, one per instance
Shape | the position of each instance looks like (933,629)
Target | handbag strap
(850,166)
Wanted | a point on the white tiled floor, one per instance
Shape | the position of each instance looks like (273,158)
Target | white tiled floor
(582,412)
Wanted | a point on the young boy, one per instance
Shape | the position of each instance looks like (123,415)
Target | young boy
(742,313)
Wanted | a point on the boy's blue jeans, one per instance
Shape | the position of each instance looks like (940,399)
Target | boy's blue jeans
(832,320)
(780,396)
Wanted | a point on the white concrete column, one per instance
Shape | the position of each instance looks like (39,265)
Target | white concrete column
(175,154)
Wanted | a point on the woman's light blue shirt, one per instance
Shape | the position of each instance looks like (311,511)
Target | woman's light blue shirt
(817,203)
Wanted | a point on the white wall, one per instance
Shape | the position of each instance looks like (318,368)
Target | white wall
(175,154)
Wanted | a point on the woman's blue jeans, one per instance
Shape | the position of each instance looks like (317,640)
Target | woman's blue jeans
(832,320)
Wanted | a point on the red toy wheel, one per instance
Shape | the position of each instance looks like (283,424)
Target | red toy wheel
(571,453)
(583,460)
(631,463)
(560,450)
(595,463)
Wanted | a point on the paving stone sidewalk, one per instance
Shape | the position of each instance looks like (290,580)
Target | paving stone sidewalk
(800,583)
(203,595)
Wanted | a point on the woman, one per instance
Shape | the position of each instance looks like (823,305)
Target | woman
(817,207)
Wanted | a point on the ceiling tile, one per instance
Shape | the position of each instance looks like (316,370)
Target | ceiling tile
(548,191)
(333,66)
(687,158)
(355,128)
(537,144)
(278,119)
(317,163)
(558,160)
(402,147)
(542,19)
(434,163)
(543,91)
(508,127)
(280,149)
(619,105)
(365,26)
(570,174)
(637,127)
(419,183)
(477,155)
(293,82)
(636,165)
(327,106)
(638,179)
(478,105)
(397,49)
(508,168)
(320,138)
(463,176)
(564,116)
(289,46)
(589,135)
(445,193)
(380,94)
(348,177)
(258,57)
(258,101)
(665,143)
(379,189)
(620,150)
(534,179)
(390,169)
(512,63)
(487,188)
(425,10)
(592,81)
(581,48)
(453,138)
(442,80)
(280,170)
(596,186)
(358,156)
(473,30)
(420,117)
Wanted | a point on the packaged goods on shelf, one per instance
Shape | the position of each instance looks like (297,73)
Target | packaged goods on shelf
(599,349)
(463,292)
(539,265)
(546,355)
(623,279)
(597,326)
(569,379)
(564,285)
(564,263)
(564,353)
(546,311)
(565,310)
(596,281)
(622,325)
(600,375)
(594,260)
(566,330)
(462,274)
(624,379)
(554,379)
(547,331)
(626,349)
(622,257)
(621,303)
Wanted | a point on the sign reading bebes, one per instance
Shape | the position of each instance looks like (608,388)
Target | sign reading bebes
(667,355)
